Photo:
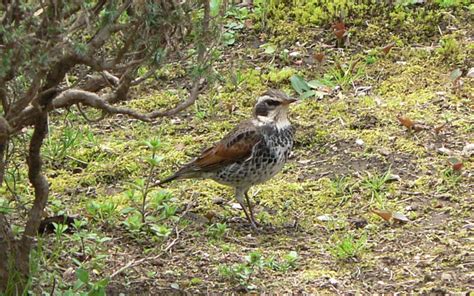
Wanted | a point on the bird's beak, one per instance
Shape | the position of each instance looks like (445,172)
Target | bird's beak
(289,101)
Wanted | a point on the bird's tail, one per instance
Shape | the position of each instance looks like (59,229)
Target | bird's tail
(184,173)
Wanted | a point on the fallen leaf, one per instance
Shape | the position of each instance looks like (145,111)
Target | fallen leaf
(386,49)
(456,163)
(458,166)
(319,56)
(406,122)
(339,29)
(210,215)
(400,217)
(386,215)
(455,75)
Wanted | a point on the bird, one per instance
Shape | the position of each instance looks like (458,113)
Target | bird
(252,153)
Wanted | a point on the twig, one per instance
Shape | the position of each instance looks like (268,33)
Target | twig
(133,263)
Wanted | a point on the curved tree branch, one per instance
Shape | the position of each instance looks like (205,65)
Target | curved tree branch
(75,96)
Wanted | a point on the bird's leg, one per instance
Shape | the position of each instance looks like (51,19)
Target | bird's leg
(249,217)
(250,208)
(239,196)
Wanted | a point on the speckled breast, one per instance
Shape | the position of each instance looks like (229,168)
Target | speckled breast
(267,159)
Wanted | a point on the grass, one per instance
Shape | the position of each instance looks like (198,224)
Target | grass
(99,172)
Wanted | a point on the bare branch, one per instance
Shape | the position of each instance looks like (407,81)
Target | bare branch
(104,33)
(147,75)
(74,96)
(29,95)
(201,61)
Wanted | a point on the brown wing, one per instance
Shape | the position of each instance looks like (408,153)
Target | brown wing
(235,146)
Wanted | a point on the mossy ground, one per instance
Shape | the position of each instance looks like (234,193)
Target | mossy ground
(321,197)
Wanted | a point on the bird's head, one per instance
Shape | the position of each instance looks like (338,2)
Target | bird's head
(272,107)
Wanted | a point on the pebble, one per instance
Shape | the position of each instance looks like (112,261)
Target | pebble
(468,150)
(470,73)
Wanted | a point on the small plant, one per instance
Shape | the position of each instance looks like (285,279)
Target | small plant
(58,149)
(151,210)
(240,273)
(348,247)
(59,230)
(451,178)
(101,210)
(236,17)
(141,188)
(217,230)
(84,286)
(376,185)
(341,188)
(254,263)
(345,75)
(449,47)
(254,259)
(290,261)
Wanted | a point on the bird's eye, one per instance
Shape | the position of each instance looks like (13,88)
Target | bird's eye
(273,103)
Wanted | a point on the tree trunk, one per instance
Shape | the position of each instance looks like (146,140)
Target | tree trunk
(15,267)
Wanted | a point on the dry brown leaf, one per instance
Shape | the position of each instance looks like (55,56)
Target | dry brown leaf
(458,166)
(210,215)
(406,122)
(319,56)
(456,163)
(387,48)
(386,215)
(339,29)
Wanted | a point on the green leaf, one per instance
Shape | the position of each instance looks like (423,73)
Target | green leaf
(299,84)
(228,38)
(155,160)
(269,48)
(308,94)
(316,84)
(455,74)
(215,5)
(82,275)
(453,160)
